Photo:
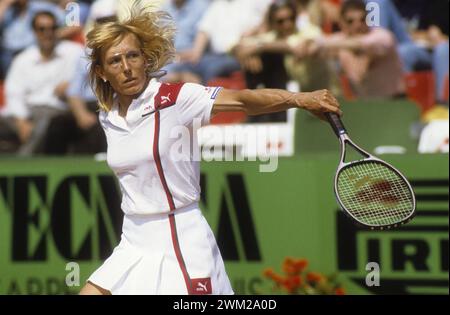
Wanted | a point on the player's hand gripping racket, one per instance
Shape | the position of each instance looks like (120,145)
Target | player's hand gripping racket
(370,191)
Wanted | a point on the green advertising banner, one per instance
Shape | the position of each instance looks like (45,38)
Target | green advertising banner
(59,217)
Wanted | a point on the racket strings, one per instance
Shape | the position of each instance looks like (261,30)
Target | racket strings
(374,194)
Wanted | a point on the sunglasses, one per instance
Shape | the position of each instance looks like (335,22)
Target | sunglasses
(286,19)
(42,29)
(350,21)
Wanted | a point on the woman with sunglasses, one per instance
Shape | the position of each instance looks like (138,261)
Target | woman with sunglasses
(367,55)
(281,54)
(167,247)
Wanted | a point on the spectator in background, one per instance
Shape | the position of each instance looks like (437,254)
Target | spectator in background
(186,15)
(79,131)
(429,29)
(368,56)
(309,12)
(415,55)
(412,55)
(220,29)
(15,25)
(37,82)
(262,56)
(329,15)
(273,58)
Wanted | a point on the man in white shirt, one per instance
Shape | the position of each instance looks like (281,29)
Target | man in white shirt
(37,81)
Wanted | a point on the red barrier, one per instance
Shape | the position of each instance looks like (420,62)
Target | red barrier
(420,87)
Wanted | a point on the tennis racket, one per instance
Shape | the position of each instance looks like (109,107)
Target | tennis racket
(370,191)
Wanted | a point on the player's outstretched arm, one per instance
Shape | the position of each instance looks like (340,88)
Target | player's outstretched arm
(264,101)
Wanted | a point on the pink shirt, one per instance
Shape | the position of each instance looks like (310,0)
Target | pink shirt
(377,71)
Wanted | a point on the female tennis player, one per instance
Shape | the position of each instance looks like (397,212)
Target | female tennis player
(167,247)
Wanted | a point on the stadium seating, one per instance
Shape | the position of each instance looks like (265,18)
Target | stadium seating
(420,88)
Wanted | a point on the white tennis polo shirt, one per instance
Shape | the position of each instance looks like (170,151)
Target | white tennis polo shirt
(152,149)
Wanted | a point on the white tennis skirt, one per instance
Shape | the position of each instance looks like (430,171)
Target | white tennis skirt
(170,254)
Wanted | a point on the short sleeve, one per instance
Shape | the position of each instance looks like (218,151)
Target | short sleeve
(195,102)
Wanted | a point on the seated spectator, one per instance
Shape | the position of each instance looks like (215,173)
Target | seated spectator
(368,56)
(186,15)
(79,131)
(220,29)
(412,55)
(37,82)
(392,16)
(329,15)
(429,29)
(309,12)
(272,59)
(282,54)
(15,25)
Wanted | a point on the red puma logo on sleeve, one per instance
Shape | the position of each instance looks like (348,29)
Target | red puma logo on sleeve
(167,95)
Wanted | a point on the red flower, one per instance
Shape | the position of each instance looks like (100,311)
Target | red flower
(268,272)
(314,277)
(339,291)
(292,284)
(300,265)
(295,277)
(287,284)
(296,281)
(289,269)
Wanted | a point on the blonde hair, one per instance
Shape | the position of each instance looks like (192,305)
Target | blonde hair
(155,31)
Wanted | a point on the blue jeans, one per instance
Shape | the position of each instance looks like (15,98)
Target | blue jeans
(414,57)
(440,66)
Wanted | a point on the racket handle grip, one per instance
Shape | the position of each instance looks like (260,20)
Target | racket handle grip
(336,123)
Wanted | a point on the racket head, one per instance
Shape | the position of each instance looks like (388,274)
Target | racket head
(374,194)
